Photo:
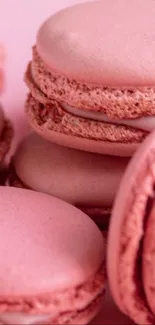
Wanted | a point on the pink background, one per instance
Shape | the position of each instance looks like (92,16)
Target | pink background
(19,21)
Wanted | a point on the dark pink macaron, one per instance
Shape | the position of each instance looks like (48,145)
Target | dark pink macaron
(131,240)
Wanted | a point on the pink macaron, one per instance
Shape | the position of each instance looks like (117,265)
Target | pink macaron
(87,180)
(52,261)
(131,239)
(91,79)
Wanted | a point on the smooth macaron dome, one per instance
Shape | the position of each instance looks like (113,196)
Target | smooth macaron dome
(92,76)
(130,260)
(87,180)
(50,269)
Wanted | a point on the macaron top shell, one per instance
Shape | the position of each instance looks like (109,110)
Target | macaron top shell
(102,42)
(78,177)
(46,245)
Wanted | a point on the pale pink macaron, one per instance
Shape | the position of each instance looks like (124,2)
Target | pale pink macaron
(91,78)
(87,180)
(131,240)
(52,257)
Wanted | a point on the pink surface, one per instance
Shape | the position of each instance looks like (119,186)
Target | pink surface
(104,42)
(137,184)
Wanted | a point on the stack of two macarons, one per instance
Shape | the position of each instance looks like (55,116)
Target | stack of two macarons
(91,102)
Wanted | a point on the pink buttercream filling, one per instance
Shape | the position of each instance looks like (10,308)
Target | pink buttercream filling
(23,319)
(146,123)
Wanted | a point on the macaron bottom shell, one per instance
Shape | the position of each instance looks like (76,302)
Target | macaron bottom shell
(101,216)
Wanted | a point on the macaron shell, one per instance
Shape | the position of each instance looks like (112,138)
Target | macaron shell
(101,216)
(82,42)
(149,259)
(126,233)
(36,239)
(90,181)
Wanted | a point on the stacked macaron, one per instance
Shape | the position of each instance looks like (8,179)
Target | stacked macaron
(6,130)
(91,78)
(89,93)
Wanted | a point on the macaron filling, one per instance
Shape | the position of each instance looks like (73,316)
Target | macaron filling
(50,103)
(23,318)
(146,123)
